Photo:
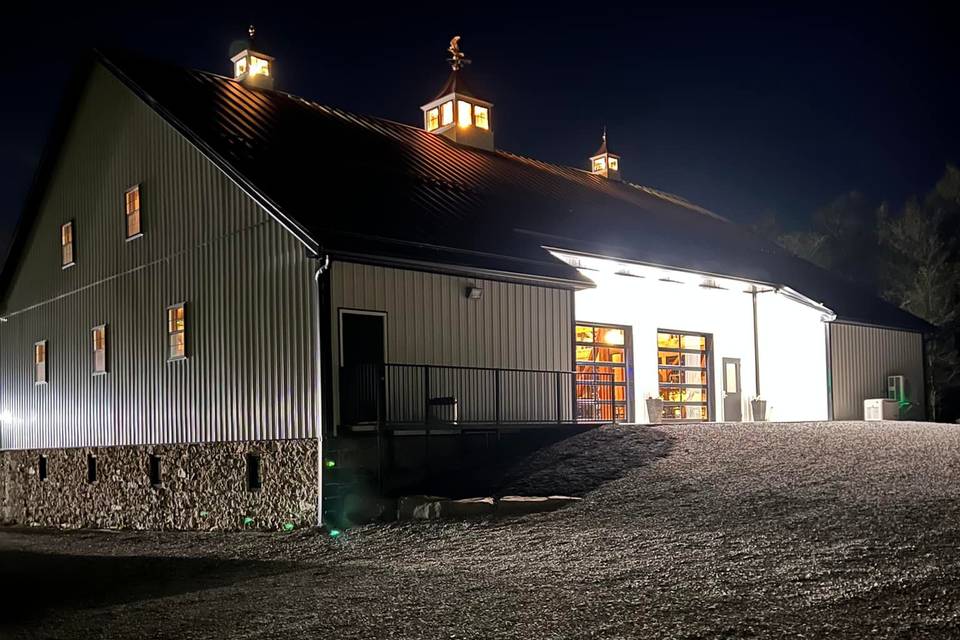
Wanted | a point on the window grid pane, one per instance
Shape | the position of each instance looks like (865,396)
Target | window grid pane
(176,332)
(602,378)
(132,209)
(682,369)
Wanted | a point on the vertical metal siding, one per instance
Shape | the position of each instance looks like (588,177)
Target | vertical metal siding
(431,321)
(247,286)
(862,357)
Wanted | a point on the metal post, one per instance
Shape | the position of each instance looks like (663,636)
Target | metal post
(613,400)
(559,417)
(496,394)
(426,394)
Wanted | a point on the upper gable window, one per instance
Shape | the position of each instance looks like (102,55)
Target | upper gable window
(66,244)
(40,362)
(132,209)
(99,335)
(176,332)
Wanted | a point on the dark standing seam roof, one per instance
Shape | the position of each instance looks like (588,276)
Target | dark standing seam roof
(362,185)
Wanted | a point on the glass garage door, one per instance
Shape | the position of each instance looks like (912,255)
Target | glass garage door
(683,365)
(603,378)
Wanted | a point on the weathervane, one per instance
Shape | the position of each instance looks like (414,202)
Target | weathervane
(252,33)
(457,59)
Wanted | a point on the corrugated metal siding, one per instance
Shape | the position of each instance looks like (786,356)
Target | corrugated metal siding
(862,357)
(247,285)
(431,321)
(115,142)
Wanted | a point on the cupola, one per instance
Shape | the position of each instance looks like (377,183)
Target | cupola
(251,67)
(603,163)
(456,112)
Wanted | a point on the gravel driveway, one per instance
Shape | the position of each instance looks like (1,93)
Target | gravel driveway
(695,531)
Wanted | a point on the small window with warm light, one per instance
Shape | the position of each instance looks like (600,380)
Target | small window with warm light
(446,113)
(66,244)
(463,114)
(599,164)
(99,335)
(259,67)
(614,164)
(433,119)
(481,117)
(176,332)
(131,206)
(40,362)
(239,67)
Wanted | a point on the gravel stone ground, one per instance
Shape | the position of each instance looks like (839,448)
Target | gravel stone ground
(805,530)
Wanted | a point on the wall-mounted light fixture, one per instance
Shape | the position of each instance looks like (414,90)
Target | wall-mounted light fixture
(474,293)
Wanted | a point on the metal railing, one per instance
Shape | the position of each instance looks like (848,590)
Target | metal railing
(430,395)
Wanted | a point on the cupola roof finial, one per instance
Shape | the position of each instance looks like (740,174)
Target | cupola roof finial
(457,59)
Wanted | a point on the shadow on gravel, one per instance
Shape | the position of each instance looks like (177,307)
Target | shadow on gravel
(586,461)
(40,582)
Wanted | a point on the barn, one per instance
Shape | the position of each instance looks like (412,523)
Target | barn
(220,293)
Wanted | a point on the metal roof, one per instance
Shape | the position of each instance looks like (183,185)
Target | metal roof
(359,184)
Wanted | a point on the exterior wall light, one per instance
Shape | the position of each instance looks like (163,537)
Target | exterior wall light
(474,293)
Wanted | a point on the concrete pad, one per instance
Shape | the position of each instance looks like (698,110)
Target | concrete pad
(407,504)
(522,505)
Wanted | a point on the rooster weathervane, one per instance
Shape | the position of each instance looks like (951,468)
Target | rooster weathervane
(457,59)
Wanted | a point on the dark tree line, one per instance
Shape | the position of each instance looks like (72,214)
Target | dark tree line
(908,255)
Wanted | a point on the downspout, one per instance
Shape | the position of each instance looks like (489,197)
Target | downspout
(756,344)
(318,364)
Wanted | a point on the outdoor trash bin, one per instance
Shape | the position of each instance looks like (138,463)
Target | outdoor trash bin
(443,410)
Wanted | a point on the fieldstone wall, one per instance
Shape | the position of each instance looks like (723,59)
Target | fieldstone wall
(203,486)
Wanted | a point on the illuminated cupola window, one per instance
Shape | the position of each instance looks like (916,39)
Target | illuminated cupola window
(603,163)
(252,67)
(456,112)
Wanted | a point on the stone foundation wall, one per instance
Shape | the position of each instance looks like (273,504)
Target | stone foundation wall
(203,486)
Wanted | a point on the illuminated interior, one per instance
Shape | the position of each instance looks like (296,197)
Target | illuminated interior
(240,67)
(66,244)
(603,353)
(614,164)
(446,113)
(132,209)
(40,362)
(176,326)
(464,118)
(259,66)
(683,361)
(99,349)
(433,119)
(599,164)
(481,117)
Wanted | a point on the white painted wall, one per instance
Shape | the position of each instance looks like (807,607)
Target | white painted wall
(793,359)
(792,340)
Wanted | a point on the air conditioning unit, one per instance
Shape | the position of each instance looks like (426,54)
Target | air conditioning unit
(881,409)
(897,388)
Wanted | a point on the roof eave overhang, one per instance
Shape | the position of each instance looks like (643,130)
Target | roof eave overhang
(828,314)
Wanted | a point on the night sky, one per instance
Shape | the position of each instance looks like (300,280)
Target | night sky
(743,110)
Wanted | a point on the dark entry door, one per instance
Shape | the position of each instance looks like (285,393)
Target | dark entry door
(362,356)
(732,411)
